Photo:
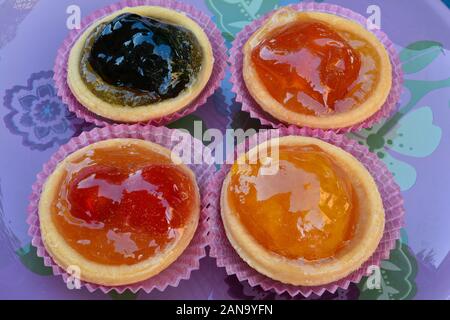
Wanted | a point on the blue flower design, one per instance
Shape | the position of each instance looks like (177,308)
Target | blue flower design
(38,114)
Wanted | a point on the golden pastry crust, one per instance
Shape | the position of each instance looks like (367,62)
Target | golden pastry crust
(148,112)
(110,275)
(368,232)
(339,120)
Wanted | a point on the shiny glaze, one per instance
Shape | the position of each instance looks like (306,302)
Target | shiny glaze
(307,210)
(134,60)
(122,205)
(313,70)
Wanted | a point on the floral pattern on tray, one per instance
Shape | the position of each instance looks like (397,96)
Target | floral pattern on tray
(416,133)
(38,115)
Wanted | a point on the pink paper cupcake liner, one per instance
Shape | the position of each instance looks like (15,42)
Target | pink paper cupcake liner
(226,256)
(214,35)
(186,263)
(251,106)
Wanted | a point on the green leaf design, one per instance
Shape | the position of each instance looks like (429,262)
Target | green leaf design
(412,134)
(419,55)
(404,173)
(417,135)
(187,123)
(387,265)
(228,36)
(397,277)
(126,295)
(254,7)
(233,15)
(239,24)
(28,257)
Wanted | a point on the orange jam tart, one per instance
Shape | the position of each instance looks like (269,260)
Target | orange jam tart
(316,69)
(122,205)
(301,211)
(307,210)
(312,69)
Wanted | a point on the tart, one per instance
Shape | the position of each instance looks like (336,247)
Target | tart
(139,64)
(316,69)
(121,210)
(314,220)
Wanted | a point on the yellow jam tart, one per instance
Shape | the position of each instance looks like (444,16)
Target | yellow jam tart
(305,211)
(316,69)
(312,221)
(140,63)
(119,209)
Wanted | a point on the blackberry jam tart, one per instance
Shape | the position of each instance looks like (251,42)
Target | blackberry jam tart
(140,64)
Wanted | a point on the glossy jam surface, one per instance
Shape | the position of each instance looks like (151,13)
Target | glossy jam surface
(122,205)
(307,210)
(311,69)
(135,60)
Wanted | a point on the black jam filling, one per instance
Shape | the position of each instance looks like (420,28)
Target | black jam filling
(140,60)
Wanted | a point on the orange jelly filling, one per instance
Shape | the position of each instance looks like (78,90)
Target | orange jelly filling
(313,70)
(122,205)
(307,210)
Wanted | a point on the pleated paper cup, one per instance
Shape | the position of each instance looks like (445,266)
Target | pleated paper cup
(189,261)
(252,107)
(227,257)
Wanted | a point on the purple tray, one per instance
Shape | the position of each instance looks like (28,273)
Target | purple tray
(414,143)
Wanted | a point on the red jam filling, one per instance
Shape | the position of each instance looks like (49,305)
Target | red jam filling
(124,205)
(311,69)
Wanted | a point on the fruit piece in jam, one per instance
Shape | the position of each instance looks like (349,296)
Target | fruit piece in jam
(123,205)
(313,70)
(134,60)
(307,210)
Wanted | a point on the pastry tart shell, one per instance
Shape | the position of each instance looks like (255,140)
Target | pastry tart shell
(149,112)
(110,275)
(368,230)
(349,118)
